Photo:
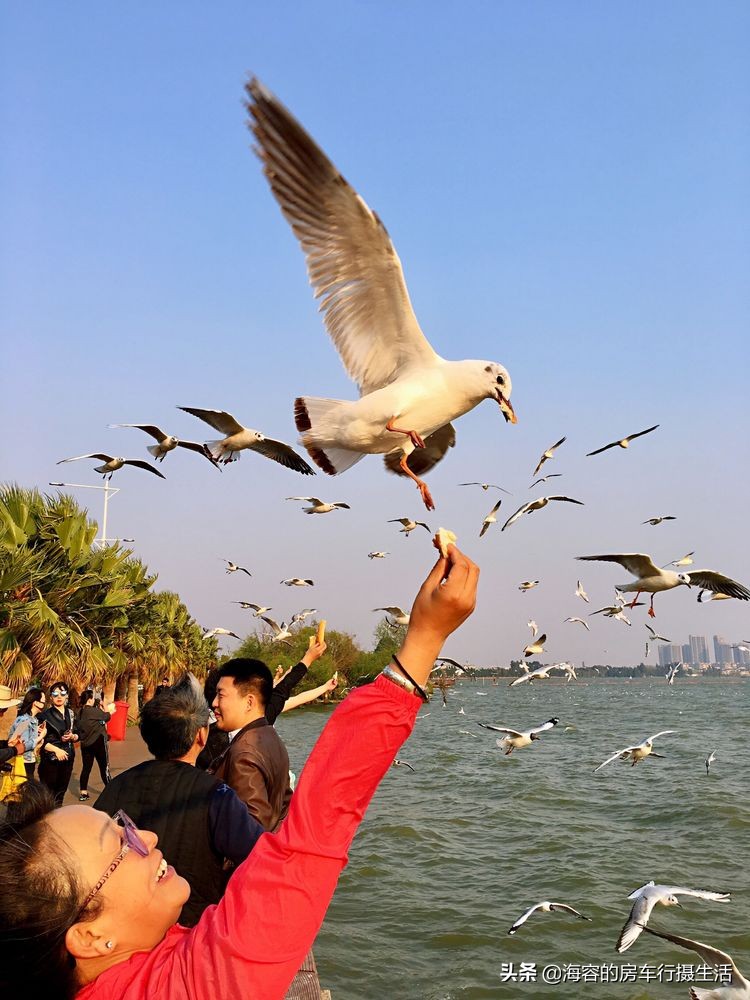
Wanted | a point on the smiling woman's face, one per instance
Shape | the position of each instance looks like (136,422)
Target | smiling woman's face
(139,905)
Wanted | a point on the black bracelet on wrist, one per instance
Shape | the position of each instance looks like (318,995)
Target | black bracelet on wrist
(420,691)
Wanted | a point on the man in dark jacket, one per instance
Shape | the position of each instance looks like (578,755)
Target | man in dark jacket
(58,750)
(203,828)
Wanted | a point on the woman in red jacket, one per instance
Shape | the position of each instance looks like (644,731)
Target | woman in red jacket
(101,919)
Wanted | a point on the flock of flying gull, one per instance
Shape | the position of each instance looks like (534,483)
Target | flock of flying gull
(409,397)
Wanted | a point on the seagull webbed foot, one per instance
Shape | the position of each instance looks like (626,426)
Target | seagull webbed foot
(426,495)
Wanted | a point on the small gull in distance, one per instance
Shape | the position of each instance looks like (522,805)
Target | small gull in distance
(408,394)
(548,454)
(401,763)
(541,673)
(638,752)
(210,633)
(377,555)
(238,438)
(709,760)
(623,442)
(712,596)
(111,464)
(490,518)
(257,609)
(234,568)
(543,479)
(738,988)
(686,560)
(488,486)
(650,579)
(653,636)
(279,633)
(297,581)
(301,615)
(515,739)
(647,897)
(580,592)
(672,673)
(398,615)
(534,628)
(658,520)
(168,442)
(408,525)
(579,621)
(528,585)
(320,506)
(570,672)
(538,504)
(545,907)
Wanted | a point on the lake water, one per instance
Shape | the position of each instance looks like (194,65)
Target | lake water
(448,857)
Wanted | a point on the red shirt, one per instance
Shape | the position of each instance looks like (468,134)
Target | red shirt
(251,944)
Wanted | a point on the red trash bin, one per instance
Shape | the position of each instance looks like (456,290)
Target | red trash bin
(118,722)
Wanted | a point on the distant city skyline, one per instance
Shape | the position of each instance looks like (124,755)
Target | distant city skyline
(695,652)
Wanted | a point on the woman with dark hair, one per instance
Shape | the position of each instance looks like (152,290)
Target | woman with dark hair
(26,724)
(58,749)
(92,729)
(101,921)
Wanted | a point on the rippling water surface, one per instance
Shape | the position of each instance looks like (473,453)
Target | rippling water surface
(449,856)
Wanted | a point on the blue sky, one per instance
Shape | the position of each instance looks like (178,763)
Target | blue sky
(566,185)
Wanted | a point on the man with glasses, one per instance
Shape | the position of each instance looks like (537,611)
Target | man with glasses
(58,751)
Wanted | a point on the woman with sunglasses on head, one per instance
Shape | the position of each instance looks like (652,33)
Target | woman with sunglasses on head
(58,749)
(26,724)
(105,903)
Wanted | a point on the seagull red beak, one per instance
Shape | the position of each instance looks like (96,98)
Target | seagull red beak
(506,408)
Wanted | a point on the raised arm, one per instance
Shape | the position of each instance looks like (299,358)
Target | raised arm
(284,888)
(305,697)
(290,680)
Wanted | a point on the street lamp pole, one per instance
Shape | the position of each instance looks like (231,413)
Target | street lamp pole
(109,491)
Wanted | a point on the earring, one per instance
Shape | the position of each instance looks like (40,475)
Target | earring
(110,944)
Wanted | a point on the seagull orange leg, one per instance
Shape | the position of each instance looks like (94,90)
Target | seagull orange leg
(651,612)
(421,485)
(416,439)
(635,600)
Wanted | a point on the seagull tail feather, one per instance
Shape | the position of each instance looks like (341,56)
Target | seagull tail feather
(319,422)
(216,450)
(154,449)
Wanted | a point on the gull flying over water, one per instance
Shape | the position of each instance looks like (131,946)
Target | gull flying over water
(548,454)
(538,504)
(672,673)
(111,464)
(580,592)
(535,647)
(545,907)
(409,525)
(653,636)
(401,763)
(234,568)
(515,740)
(238,438)
(320,506)
(646,899)
(569,670)
(709,760)
(408,394)
(614,611)
(488,486)
(638,752)
(650,579)
(658,520)
(738,988)
(623,442)
(686,560)
(490,518)
(168,442)
(541,673)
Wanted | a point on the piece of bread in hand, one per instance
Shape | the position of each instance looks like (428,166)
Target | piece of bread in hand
(319,636)
(443,538)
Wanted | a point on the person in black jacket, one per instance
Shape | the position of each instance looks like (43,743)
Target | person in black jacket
(92,728)
(58,750)
(203,827)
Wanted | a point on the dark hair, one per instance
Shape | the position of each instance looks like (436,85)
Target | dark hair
(170,722)
(32,695)
(33,957)
(86,696)
(58,684)
(210,684)
(250,677)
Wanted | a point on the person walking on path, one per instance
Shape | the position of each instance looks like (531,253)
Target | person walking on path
(58,749)
(92,728)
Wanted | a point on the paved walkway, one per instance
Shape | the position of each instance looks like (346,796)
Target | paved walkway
(122,755)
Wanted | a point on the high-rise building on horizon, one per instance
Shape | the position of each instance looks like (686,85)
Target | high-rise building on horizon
(698,650)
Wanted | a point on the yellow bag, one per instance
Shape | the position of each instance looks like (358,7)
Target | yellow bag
(11,780)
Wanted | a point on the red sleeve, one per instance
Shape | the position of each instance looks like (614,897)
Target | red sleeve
(254,941)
